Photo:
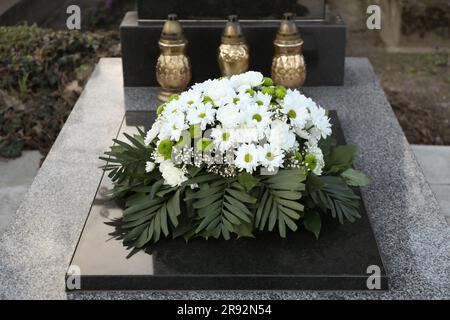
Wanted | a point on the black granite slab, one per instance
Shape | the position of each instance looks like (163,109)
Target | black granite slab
(338,260)
(324,48)
(220,9)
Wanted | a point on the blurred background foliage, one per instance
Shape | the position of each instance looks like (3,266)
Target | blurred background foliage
(43,72)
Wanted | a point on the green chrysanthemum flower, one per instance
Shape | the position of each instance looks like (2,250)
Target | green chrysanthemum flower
(267,81)
(268,90)
(280,92)
(165,148)
(311,161)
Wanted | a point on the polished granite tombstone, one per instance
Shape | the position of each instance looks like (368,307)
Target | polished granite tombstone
(217,9)
(337,261)
(324,48)
(323,32)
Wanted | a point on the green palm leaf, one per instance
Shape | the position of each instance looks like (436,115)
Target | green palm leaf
(221,208)
(337,198)
(126,163)
(279,202)
(150,215)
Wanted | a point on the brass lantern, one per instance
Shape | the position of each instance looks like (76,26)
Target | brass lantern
(288,64)
(233,53)
(173,69)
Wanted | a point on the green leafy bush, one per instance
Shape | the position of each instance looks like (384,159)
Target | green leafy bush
(42,74)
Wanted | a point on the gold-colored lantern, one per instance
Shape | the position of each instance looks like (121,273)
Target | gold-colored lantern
(288,64)
(233,53)
(173,69)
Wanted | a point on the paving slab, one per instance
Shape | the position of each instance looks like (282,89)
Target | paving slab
(442,194)
(435,162)
(16,176)
(413,237)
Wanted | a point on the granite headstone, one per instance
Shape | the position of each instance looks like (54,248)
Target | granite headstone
(220,9)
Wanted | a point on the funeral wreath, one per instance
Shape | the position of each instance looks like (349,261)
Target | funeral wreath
(232,157)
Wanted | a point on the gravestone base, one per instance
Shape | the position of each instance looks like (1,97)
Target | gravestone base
(324,48)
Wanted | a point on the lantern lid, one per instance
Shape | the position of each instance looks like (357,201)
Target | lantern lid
(172,31)
(288,33)
(232,34)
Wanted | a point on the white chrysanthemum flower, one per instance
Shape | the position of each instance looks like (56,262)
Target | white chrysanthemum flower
(202,114)
(153,132)
(294,97)
(229,116)
(320,120)
(270,157)
(244,99)
(253,78)
(247,157)
(200,87)
(294,105)
(222,138)
(242,89)
(280,135)
(174,126)
(315,134)
(149,166)
(220,91)
(262,99)
(172,175)
(242,116)
(297,115)
(302,133)
(318,154)
(257,116)
(247,79)
(190,98)
(246,135)
(236,81)
(173,107)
